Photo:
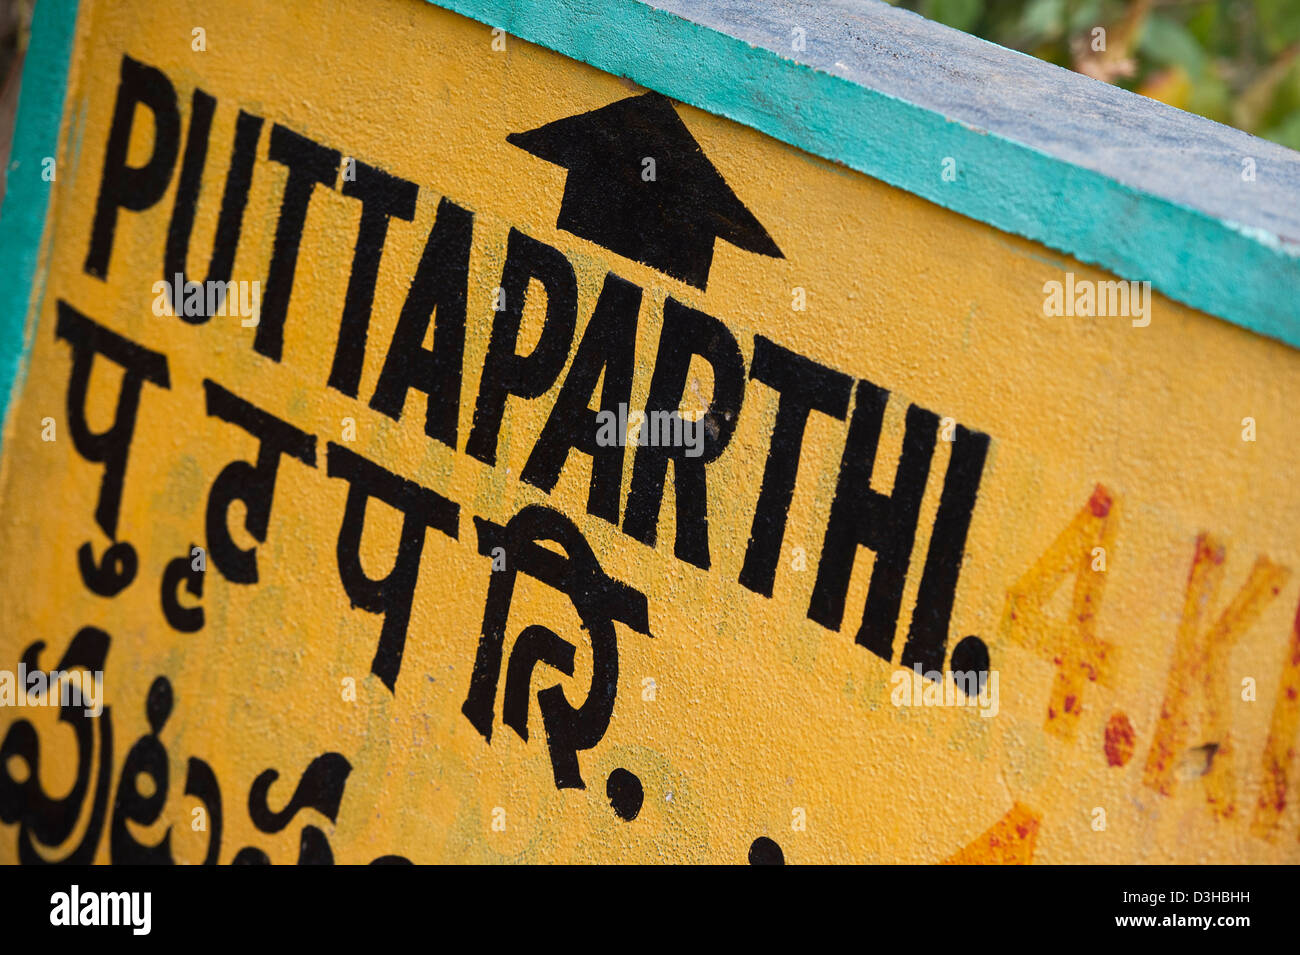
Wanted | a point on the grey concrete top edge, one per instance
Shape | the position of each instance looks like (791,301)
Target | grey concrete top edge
(1132,139)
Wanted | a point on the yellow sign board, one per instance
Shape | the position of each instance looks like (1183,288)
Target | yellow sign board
(435,448)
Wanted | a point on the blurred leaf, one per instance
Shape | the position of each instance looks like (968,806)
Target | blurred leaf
(1172,85)
(1087,14)
(1052,53)
(958,14)
(1287,133)
(1043,19)
(1254,102)
(1279,23)
(1211,97)
(1287,98)
(1205,25)
(1169,43)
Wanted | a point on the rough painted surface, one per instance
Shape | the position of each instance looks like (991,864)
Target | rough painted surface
(856,94)
(1127,566)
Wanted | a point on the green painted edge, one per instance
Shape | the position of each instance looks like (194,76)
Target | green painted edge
(1235,273)
(27,194)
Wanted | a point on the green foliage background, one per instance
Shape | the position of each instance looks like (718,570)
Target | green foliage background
(1234,61)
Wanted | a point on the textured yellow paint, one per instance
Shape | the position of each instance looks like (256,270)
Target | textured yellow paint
(758,711)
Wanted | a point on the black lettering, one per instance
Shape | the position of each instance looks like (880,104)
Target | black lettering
(239,178)
(109,448)
(42,819)
(117,568)
(391,595)
(686,333)
(201,782)
(254,484)
(310,164)
(314,847)
(148,757)
(441,282)
(599,600)
(110,574)
(133,187)
(382,196)
(804,386)
(927,635)
(862,516)
(608,347)
(525,376)
(320,788)
(177,572)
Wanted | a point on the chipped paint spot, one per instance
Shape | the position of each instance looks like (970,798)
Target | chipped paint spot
(1120,738)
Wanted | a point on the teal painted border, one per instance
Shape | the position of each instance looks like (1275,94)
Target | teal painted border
(1237,274)
(27,194)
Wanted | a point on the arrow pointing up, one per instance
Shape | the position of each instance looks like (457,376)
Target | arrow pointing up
(666,214)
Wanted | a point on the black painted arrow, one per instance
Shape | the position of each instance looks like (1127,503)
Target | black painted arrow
(667,220)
